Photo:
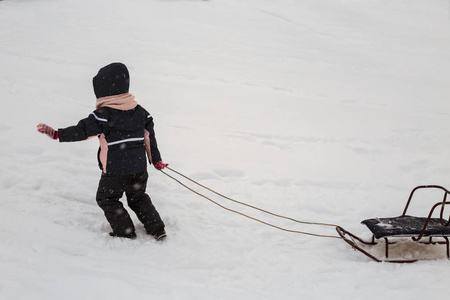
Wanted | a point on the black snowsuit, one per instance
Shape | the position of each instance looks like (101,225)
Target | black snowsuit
(124,164)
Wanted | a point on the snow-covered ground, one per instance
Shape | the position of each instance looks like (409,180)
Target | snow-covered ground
(325,111)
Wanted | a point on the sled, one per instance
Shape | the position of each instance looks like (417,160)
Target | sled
(424,230)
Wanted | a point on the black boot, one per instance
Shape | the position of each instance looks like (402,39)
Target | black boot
(159,235)
(131,236)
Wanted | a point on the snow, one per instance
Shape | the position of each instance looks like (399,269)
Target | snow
(325,111)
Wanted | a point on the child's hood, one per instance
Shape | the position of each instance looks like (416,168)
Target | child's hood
(111,80)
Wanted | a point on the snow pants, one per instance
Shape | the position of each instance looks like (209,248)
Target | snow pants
(110,190)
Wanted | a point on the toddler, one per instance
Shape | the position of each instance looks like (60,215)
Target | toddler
(126,135)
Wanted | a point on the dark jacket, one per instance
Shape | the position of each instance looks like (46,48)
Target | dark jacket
(123,135)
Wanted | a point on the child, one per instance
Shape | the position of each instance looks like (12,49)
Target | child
(125,131)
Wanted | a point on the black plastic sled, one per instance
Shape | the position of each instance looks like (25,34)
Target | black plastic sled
(426,230)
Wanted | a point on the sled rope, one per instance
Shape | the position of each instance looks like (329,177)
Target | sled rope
(250,206)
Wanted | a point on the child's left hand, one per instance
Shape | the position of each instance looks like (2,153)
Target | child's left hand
(160,165)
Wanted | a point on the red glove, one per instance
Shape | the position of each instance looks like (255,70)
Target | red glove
(45,129)
(160,165)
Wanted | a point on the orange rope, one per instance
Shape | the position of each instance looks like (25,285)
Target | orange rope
(253,207)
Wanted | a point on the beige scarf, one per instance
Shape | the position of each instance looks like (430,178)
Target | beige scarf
(121,102)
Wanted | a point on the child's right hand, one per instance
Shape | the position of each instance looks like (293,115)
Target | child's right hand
(45,129)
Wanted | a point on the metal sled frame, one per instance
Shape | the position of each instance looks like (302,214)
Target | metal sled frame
(422,235)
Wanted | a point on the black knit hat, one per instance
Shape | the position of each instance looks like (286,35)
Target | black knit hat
(113,79)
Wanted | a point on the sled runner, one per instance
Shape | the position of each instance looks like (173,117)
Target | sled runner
(424,230)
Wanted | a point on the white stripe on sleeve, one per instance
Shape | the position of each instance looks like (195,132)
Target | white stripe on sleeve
(100,119)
